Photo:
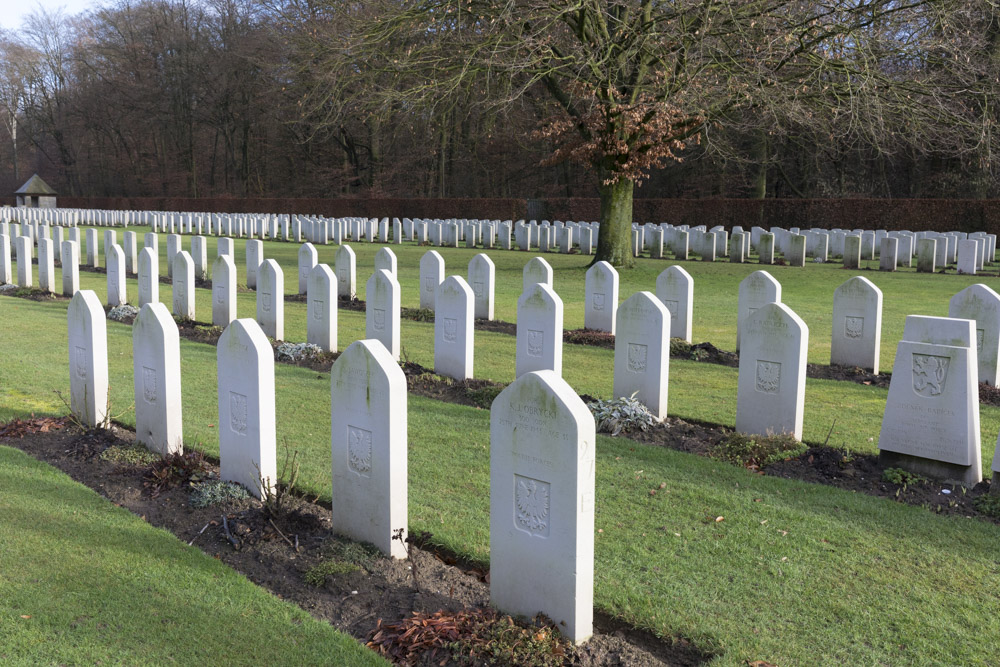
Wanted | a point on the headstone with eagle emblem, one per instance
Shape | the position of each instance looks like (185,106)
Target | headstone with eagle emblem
(981,304)
(382,295)
(321,308)
(757,289)
(271,299)
(453,329)
(542,467)
(88,358)
(601,293)
(931,420)
(431,275)
(156,361)
(771,388)
(539,330)
(482,280)
(857,324)
(345,266)
(368,443)
(642,352)
(675,288)
(223,290)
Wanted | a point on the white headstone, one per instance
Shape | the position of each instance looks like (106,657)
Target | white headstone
(431,275)
(981,304)
(46,265)
(482,280)
(174,246)
(675,288)
(88,358)
(183,285)
(247,439)
(382,305)
(771,388)
(931,421)
(968,255)
(93,257)
(642,351)
(601,294)
(857,324)
(254,258)
(6,275)
(156,360)
(271,299)
(131,250)
(116,276)
(223,291)
(368,445)
(454,314)
(542,486)
(199,254)
(308,258)
(321,308)
(345,265)
(70,267)
(539,330)
(386,259)
(757,289)
(537,270)
(226,246)
(24,255)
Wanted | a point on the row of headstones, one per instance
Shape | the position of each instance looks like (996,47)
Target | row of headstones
(542,482)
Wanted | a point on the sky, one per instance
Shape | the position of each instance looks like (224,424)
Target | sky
(14,11)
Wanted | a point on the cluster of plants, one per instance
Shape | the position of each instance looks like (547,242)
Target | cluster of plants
(621,415)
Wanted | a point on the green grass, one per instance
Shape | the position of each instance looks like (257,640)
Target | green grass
(866,581)
(85,582)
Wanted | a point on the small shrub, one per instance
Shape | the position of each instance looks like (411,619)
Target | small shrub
(297,352)
(123,313)
(901,477)
(988,504)
(419,314)
(621,415)
(175,470)
(133,454)
(755,451)
(275,496)
(483,397)
(316,575)
(680,348)
(217,492)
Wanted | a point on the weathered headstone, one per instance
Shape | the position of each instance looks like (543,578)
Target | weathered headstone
(771,388)
(368,446)
(345,265)
(271,299)
(431,275)
(382,304)
(757,289)
(542,486)
(115,261)
(156,361)
(223,291)
(857,324)
(539,330)
(482,279)
(795,254)
(88,358)
(246,425)
(454,312)
(601,294)
(642,351)
(183,285)
(852,252)
(888,254)
(765,248)
(926,255)
(982,305)
(931,421)
(308,258)
(537,270)
(968,251)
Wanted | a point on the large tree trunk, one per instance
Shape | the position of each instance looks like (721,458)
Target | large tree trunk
(614,242)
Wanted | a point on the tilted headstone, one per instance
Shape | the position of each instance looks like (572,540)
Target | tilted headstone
(88,358)
(271,299)
(254,259)
(46,265)
(308,258)
(183,285)
(981,304)
(246,425)
(757,289)
(382,303)
(386,259)
(857,325)
(482,280)
(537,270)
(345,265)
(431,275)
(223,291)
(675,288)
(454,313)
(642,351)
(539,330)
(601,290)
(368,445)
(156,361)
(542,490)
(771,387)
(115,261)
(70,267)
(931,420)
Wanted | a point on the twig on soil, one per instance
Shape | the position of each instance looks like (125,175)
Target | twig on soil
(229,536)
(270,521)
(829,433)
(199,533)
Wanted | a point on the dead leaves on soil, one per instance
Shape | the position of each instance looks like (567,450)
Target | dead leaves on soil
(18,428)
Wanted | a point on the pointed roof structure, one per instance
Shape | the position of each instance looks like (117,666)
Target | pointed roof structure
(36,186)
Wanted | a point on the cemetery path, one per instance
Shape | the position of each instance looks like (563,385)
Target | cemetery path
(293,554)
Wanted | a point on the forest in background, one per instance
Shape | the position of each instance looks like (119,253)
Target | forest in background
(217,98)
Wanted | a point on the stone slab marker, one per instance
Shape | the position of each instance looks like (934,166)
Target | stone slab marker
(888,254)
(382,304)
(968,251)
(88,358)
(926,255)
(454,314)
(981,304)
(6,274)
(857,324)
(115,261)
(156,361)
(796,252)
(174,246)
(247,440)
(223,291)
(271,299)
(642,351)
(931,420)
(22,245)
(482,279)
(149,277)
(321,308)
(771,388)
(199,254)
(93,257)
(537,270)
(765,249)
(226,246)
(254,258)
(539,330)
(757,289)
(183,285)
(542,471)
(852,252)
(431,275)
(345,264)
(386,259)
(131,250)
(308,258)
(368,445)
(601,300)
(675,288)
(70,267)
(46,265)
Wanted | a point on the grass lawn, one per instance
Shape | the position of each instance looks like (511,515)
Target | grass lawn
(85,582)
(794,574)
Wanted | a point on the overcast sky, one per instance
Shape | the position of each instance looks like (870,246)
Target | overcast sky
(14,11)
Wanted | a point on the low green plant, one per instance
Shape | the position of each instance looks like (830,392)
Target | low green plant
(988,504)
(316,575)
(501,641)
(621,415)
(217,492)
(130,454)
(483,397)
(755,451)
(900,477)
(418,314)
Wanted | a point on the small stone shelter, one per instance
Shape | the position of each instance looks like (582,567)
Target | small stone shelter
(36,193)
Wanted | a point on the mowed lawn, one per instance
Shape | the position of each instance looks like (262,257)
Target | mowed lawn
(794,573)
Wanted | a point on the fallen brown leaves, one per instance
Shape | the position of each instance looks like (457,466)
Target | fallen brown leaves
(18,428)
